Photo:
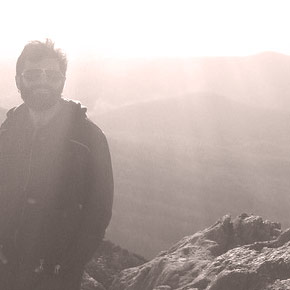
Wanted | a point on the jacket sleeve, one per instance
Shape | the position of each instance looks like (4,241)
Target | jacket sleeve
(97,208)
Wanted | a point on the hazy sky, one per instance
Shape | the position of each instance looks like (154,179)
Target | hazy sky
(124,28)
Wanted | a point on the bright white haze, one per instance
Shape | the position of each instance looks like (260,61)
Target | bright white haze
(151,28)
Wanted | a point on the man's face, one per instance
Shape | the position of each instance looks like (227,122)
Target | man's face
(41,83)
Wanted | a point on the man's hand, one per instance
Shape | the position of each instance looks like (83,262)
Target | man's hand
(2,256)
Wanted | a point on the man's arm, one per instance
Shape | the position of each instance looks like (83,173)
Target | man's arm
(97,208)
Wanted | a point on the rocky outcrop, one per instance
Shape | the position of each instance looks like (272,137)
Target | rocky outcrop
(90,283)
(107,263)
(245,253)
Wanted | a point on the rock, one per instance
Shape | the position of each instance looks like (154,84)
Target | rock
(163,287)
(245,253)
(107,263)
(280,285)
(90,283)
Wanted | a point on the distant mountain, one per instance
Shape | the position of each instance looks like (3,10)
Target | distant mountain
(180,163)
(261,80)
(206,117)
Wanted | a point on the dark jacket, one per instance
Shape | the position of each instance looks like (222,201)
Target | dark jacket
(56,188)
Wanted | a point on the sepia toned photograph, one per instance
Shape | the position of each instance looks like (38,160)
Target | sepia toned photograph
(145,145)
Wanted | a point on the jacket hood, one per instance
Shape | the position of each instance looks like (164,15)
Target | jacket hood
(75,108)
(72,109)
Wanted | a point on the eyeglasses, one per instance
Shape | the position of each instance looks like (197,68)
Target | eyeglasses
(35,75)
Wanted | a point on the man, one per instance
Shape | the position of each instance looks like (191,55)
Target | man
(56,184)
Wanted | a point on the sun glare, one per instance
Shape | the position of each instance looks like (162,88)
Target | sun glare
(160,28)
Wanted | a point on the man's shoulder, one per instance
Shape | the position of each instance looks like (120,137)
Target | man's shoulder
(93,127)
(17,110)
(93,133)
(14,116)
(83,126)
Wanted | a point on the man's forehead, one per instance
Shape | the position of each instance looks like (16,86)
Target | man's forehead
(45,63)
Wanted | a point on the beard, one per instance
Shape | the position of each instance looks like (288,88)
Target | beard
(40,97)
